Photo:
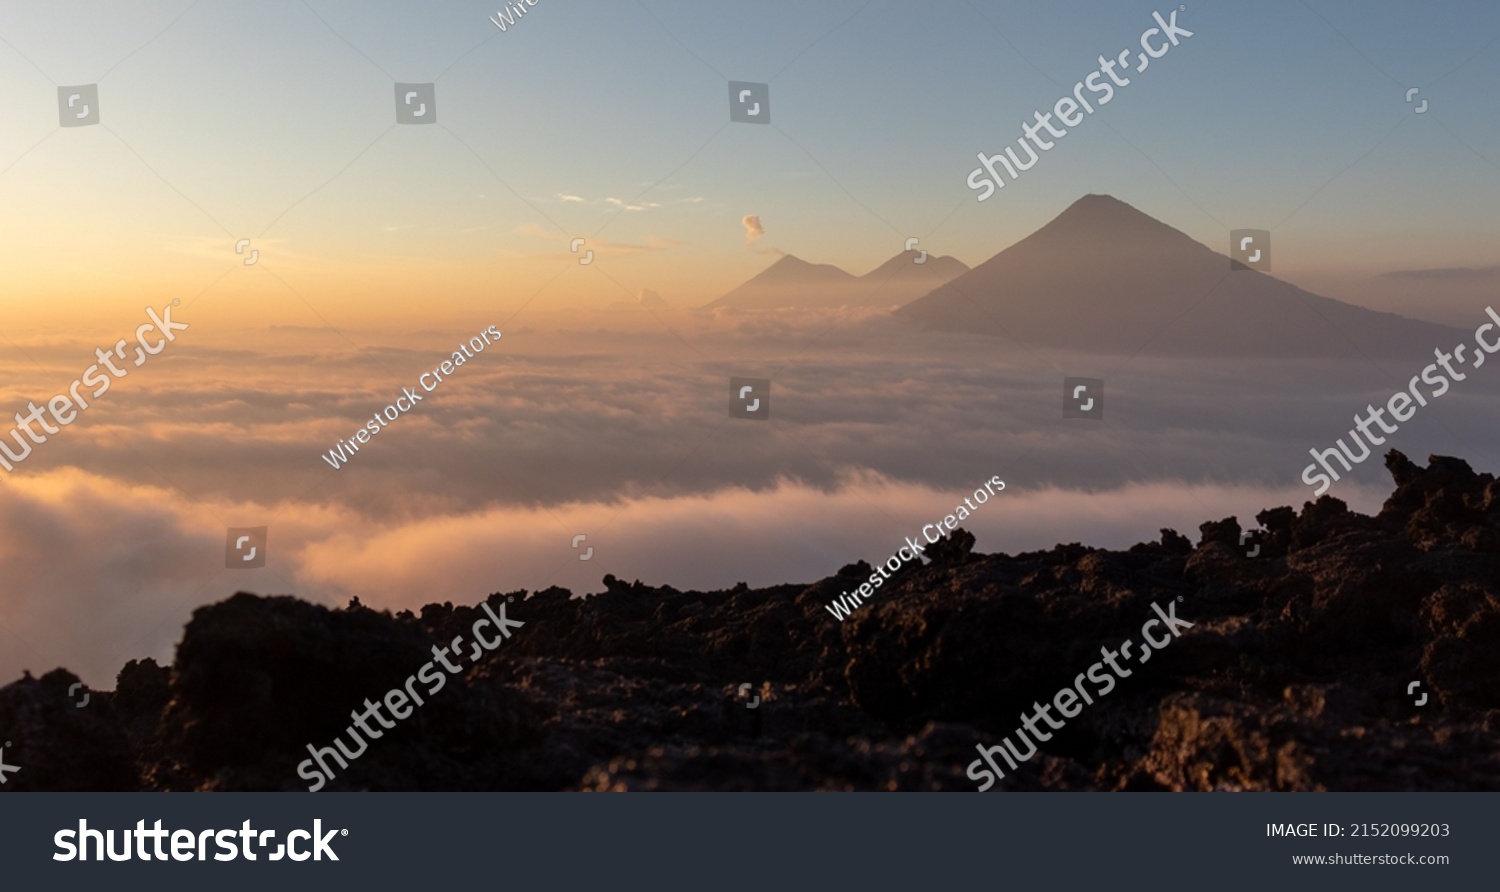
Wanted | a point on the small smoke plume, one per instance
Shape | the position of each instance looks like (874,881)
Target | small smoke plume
(753,229)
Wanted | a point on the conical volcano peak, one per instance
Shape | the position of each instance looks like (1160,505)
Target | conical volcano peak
(1104,216)
(1105,277)
(793,269)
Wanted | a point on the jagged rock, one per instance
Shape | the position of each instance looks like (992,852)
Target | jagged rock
(1294,675)
(60,741)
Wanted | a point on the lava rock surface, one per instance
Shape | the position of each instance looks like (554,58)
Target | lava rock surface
(1293,677)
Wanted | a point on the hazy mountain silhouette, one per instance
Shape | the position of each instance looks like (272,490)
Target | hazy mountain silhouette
(1104,276)
(904,268)
(793,282)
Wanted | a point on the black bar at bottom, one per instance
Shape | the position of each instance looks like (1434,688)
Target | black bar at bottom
(732,841)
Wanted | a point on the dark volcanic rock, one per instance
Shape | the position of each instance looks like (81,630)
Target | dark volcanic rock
(1294,676)
(62,741)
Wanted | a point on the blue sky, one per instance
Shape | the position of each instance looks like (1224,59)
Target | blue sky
(1289,116)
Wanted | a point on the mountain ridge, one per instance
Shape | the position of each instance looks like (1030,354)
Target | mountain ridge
(792,282)
(1104,276)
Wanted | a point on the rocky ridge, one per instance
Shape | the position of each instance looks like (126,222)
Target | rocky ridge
(1294,677)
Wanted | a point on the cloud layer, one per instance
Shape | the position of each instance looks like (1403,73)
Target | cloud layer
(615,425)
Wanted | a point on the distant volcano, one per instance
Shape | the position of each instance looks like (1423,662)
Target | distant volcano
(1104,276)
(793,282)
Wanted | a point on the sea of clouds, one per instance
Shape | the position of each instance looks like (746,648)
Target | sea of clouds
(614,425)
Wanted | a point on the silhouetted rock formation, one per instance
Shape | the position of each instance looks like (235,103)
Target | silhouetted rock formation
(1294,678)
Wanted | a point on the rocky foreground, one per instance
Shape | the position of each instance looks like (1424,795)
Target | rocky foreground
(1295,676)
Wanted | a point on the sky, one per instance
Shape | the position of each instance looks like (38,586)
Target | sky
(376,248)
(275,122)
